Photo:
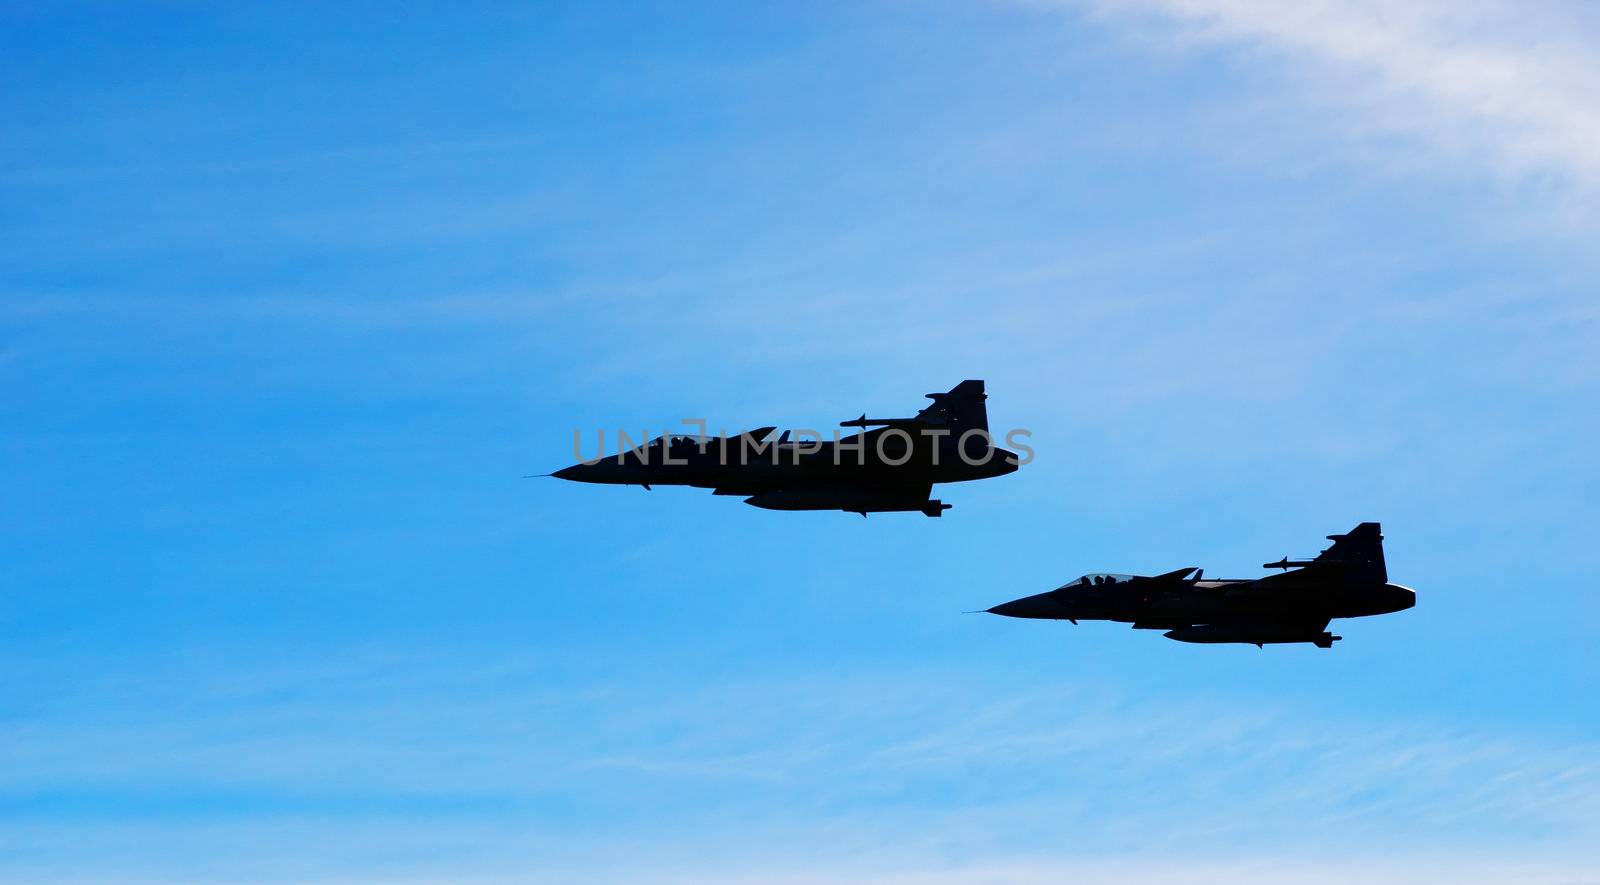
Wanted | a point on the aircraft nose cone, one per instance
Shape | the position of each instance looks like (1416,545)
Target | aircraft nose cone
(1027,607)
(574,473)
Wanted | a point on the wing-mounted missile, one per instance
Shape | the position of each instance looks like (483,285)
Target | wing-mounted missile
(1357,553)
(864,421)
(959,409)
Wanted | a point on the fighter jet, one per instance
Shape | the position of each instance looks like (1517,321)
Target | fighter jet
(1347,580)
(891,467)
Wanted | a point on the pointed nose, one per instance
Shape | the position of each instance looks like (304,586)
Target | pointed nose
(574,473)
(1040,606)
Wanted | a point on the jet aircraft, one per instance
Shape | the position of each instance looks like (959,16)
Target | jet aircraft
(890,467)
(1347,580)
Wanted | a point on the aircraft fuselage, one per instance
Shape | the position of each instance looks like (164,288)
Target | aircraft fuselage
(1207,601)
(1347,580)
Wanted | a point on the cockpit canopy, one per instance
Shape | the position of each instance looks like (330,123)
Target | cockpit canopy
(672,443)
(671,440)
(1096,579)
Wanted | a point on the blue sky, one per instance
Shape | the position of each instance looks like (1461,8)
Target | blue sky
(290,298)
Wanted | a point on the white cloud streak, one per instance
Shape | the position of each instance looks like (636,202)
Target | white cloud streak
(816,780)
(1511,86)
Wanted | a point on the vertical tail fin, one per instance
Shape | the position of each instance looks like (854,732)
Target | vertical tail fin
(961,409)
(1360,550)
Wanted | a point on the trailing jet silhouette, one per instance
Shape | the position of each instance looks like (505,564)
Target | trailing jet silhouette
(1347,580)
(890,467)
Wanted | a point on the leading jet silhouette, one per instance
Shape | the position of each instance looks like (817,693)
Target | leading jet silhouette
(891,467)
(1347,580)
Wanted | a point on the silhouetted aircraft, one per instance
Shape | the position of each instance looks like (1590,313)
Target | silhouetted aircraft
(1347,580)
(891,467)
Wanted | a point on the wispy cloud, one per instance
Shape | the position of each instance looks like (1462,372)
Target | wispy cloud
(815,779)
(1134,871)
(1509,86)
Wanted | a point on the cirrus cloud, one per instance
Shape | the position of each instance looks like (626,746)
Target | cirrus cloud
(1509,87)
